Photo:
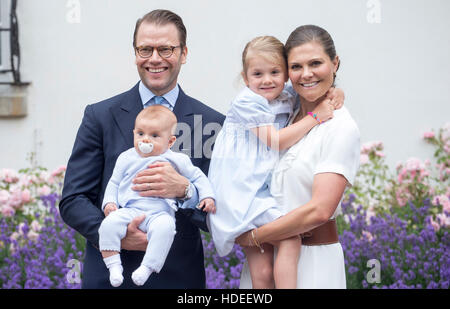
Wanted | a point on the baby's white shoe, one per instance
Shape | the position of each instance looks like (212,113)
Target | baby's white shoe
(115,275)
(114,265)
(141,275)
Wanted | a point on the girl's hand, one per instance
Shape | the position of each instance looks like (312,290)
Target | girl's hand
(207,205)
(109,208)
(336,96)
(324,110)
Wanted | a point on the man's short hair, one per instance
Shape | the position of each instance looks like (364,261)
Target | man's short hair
(163,17)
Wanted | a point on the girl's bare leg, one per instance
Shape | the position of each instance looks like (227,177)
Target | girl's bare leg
(261,266)
(286,263)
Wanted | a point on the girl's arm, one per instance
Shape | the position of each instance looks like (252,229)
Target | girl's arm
(327,192)
(286,137)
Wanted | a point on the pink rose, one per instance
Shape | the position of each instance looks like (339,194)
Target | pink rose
(15,200)
(429,134)
(59,171)
(45,190)
(369,214)
(26,196)
(32,235)
(380,154)
(414,164)
(15,236)
(443,220)
(7,211)
(363,159)
(43,177)
(9,175)
(436,226)
(4,196)
(400,199)
(447,148)
(443,201)
(368,235)
(35,226)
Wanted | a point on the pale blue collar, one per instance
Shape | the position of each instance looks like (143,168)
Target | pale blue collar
(146,94)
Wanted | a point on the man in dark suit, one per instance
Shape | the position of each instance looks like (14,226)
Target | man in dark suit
(107,130)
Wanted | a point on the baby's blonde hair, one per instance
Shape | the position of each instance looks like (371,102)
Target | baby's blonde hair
(268,47)
(160,113)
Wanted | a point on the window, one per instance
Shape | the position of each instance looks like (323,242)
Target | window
(2,33)
(9,44)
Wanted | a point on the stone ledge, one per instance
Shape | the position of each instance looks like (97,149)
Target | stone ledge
(13,105)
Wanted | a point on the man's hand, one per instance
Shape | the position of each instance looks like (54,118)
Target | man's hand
(160,180)
(135,240)
(109,208)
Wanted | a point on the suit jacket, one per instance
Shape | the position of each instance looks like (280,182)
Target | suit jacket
(105,132)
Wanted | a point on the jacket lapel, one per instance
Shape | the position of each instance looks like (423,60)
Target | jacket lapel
(189,130)
(126,111)
(183,107)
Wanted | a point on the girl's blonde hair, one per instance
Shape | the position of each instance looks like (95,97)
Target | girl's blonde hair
(268,47)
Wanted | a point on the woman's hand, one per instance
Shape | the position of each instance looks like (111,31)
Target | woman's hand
(160,180)
(245,240)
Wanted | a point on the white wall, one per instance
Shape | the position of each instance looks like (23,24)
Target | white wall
(395,73)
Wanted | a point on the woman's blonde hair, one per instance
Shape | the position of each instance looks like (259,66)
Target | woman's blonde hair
(268,47)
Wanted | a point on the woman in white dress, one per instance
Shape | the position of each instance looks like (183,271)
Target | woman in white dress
(310,179)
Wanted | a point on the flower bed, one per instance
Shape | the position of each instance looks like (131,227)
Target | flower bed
(399,220)
(394,227)
(35,244)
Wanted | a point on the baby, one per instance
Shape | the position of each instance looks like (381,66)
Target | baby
(153,137)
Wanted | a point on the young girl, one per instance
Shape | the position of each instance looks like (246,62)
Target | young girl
(245,152)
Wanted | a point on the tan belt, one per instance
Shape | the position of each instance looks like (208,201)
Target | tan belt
(325,234)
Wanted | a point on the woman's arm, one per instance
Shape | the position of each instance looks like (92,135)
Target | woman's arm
(327,192)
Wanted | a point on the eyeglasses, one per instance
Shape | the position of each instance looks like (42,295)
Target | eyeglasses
(163,51)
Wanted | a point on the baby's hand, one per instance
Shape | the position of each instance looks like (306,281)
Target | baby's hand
(207,205)
(109,208)
(337,97)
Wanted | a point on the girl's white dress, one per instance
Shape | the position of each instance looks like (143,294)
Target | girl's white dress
(332,147)
(241,165)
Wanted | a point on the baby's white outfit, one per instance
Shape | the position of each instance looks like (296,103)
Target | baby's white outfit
(241,167)
(159,223)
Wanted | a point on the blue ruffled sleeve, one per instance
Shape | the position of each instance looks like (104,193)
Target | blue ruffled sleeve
(251,110)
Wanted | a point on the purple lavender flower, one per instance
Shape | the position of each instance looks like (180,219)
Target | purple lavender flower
(411,255)
(41,263)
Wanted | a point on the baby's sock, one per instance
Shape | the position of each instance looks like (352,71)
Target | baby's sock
(141,275)
(114,264)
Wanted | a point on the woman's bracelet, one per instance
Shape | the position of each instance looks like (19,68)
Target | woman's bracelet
(315,117)
(255,241)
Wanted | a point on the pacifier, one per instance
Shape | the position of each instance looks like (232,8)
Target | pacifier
(145,148)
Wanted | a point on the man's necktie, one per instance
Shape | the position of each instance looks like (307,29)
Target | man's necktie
(157,100)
